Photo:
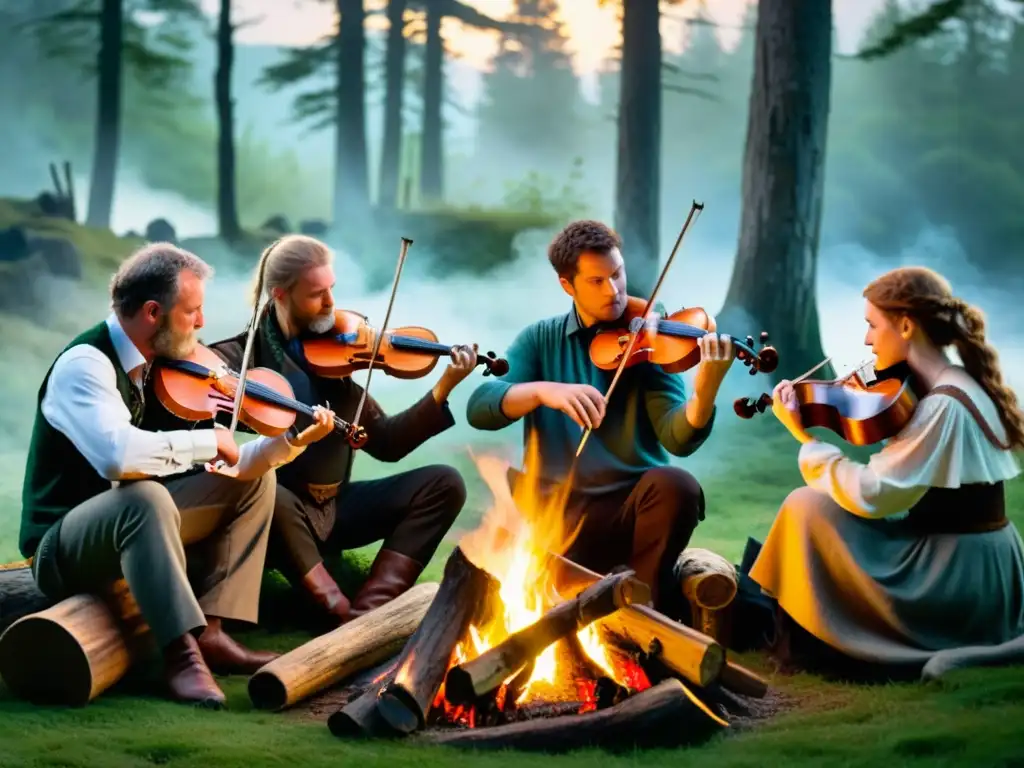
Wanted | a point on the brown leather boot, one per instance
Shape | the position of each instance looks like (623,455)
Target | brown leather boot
(391,575)
(226,656)
(328,595)
(187,675)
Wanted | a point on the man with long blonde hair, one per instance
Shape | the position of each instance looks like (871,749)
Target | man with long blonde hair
(320,511)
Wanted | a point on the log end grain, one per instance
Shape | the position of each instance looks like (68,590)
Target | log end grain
(43,663)
(399,709)
(267,691)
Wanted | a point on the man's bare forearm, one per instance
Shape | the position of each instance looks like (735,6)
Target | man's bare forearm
(521,399)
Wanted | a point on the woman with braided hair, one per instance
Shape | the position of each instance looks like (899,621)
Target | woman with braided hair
(906,564)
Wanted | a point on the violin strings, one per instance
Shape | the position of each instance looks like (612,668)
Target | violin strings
(412,343)
(255,388)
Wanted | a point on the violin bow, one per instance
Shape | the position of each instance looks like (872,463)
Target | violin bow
(249,339)
(406,242)
(635,334)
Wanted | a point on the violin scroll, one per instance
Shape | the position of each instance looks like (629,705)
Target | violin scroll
(746,408)
(356,436)
(496,366)
(764,361)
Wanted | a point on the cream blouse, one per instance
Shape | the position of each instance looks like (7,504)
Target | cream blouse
(941,446)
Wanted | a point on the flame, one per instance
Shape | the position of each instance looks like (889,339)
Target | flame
(513,543)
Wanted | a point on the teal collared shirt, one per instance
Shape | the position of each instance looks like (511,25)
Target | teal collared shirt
(644,424)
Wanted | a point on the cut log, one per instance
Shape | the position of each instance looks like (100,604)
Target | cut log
(463,596)
(666,715)
(467,682)
(360,718)
(351,648)
(690,654)
(71,652)
(709,584)
(707,578)
(739,679)
(19,595)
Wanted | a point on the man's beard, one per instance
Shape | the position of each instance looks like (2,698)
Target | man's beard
(171,345)
(320,323)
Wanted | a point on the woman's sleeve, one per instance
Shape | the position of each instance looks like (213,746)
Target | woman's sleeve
(923,455)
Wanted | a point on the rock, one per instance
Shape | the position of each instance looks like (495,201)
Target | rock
(60,256)
(14,244)
(277,224)
(24,285)
(161,231)
(313,227)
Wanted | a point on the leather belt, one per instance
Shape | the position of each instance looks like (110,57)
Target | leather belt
(322,493)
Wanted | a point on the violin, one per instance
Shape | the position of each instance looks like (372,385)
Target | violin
(409,352)
(860,412)
(675,346)
(200,386)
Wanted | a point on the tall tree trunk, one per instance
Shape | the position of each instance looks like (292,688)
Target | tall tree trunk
(638,175)
(431,154)
(227,205)
(108,114)
(351,177)
(394,85)
(774,278)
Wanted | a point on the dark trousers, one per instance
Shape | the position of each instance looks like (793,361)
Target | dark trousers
(644,527)
(410,512)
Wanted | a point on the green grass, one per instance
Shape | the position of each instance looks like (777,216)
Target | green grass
(973,717)
(746,469)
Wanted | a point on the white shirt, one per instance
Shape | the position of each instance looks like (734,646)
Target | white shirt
(82,402)
(941,446)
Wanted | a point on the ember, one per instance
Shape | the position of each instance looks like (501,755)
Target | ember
(519,641)
(559,656)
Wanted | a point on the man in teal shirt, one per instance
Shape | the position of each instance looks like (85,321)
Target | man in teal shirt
(635,508)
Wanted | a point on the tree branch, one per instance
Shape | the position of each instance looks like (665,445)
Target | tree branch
(689,91)
(914,29)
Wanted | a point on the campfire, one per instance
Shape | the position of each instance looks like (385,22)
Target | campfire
(522,647)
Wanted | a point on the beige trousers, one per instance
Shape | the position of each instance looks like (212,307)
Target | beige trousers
(143,530)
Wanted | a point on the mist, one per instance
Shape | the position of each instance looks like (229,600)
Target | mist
(492,309)
(895,195)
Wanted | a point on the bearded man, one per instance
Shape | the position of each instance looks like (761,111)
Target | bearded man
(105,497)
(319,510)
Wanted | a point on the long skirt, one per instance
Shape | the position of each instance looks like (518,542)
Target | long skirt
(879,592)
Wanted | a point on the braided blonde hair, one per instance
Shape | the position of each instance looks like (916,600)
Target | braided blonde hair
(926,297)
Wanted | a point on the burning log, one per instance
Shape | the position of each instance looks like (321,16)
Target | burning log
(464,592)
(467,682)
(709,585)
(351,648)
(665,715)
(689,653)
(69,653)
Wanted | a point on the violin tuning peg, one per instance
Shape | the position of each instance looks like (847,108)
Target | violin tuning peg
(750,341)
(752,370)
(764,337)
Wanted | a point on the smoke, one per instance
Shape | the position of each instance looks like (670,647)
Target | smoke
(489,311)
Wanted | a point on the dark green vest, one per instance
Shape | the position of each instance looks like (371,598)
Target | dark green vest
(57,476)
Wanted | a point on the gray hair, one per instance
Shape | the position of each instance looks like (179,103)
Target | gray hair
(284,261)
(151,274)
